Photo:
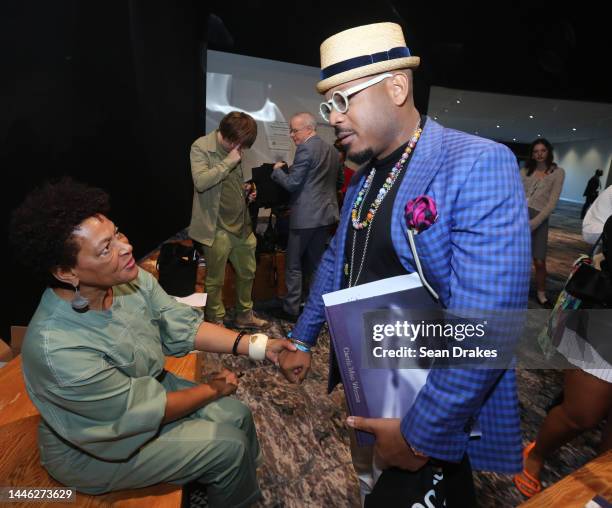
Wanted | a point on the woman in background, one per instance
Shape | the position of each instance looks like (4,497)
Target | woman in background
(93,360)
(543,181)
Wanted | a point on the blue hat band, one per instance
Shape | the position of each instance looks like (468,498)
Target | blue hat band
(361,61)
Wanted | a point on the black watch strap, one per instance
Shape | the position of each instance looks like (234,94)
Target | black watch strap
(236,342)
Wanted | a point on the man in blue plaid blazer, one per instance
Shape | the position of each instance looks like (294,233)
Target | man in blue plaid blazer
(475,256)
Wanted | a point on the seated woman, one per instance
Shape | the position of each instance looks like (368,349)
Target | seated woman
(93,362)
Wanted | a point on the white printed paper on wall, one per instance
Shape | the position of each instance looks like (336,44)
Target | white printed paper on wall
(278,136)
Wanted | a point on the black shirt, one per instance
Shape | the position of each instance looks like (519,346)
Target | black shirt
(381,260)
(592,188)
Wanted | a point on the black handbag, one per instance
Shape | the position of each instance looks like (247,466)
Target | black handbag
(269,193)
(592,286)
(177,266)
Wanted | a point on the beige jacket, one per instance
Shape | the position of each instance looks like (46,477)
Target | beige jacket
(542,195)
(208,169)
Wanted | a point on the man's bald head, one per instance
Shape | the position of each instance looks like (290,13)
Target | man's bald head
(302,126)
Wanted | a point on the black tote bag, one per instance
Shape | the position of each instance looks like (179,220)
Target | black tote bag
(177,266)
(434,485)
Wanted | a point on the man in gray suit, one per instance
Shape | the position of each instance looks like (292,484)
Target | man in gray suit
(313,181)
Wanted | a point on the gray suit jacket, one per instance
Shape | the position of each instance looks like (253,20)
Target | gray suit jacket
(312,180)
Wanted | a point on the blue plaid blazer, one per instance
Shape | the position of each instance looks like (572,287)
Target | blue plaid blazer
(477,255)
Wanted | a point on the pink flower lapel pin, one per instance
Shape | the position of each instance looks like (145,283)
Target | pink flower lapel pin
(421,212)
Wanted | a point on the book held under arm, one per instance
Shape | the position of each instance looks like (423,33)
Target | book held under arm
(379,334)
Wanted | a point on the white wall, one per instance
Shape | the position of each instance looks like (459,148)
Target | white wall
(580,160)
(269,91)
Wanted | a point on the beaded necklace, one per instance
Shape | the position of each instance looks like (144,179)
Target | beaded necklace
(383,191)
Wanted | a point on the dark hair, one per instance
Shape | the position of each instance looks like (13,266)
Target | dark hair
(531,162)
(42,227)
(237,127)
(606,244)
(599,172)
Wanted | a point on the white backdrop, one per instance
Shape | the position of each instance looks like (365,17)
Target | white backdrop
(269,91)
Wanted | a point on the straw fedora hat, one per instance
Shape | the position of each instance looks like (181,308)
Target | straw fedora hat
(363,51)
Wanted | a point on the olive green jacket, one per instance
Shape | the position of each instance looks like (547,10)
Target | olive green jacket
(209,167)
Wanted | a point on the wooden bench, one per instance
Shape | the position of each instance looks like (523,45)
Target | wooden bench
(579,487)
(20,460)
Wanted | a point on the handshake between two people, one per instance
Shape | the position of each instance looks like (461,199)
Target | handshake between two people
(293,363)
(225,382)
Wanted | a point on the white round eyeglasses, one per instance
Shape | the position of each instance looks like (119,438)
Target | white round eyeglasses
(340,98)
